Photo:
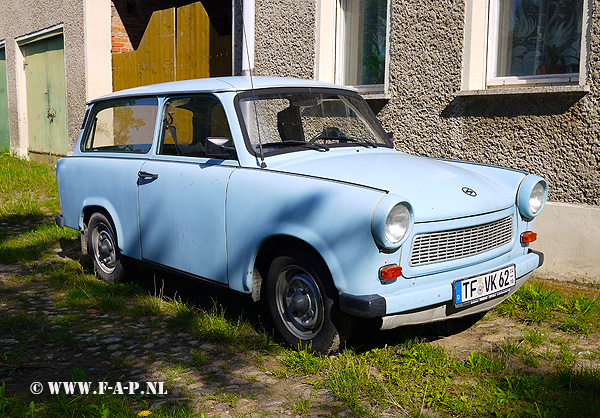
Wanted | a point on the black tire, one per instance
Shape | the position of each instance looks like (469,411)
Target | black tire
(104,250)
(303,303)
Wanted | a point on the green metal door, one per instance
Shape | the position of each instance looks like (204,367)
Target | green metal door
(46,98)
(4,131)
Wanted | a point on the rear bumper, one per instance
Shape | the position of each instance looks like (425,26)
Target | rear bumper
(388,307)
(60,221)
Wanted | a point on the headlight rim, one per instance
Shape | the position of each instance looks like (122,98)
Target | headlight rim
(379,220)
(524,196)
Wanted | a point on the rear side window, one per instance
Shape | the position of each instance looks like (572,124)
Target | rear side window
(125,125)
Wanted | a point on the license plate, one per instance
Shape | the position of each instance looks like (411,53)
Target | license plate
(484,287)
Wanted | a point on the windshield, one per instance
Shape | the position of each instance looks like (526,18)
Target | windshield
(293,120)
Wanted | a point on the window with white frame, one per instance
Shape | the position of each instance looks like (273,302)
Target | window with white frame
(534,41)
(355,53)
(525,42)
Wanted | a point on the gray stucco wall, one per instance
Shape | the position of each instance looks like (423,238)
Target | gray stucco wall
(555,135)
(23,17)
(285,38)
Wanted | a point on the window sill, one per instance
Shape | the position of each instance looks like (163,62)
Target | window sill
(581,89)
(376,96)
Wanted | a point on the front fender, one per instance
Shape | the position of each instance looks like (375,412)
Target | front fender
(301,233)
(333,218)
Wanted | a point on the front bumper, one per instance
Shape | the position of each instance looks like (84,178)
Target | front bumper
(389,307)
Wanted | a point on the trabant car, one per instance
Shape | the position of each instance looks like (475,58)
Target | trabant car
(292,192)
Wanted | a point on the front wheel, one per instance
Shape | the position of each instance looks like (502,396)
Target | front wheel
(303,304)
(102,244)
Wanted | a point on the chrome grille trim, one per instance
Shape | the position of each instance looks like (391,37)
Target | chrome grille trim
(437,247)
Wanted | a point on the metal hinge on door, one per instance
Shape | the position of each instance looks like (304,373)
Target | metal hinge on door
(51,114)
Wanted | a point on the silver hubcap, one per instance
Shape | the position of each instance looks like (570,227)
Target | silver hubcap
(104,248)
(299,302)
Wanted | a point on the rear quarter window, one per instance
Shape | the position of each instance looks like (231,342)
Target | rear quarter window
(125,125)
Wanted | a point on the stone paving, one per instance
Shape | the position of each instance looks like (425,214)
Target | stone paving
(222,384)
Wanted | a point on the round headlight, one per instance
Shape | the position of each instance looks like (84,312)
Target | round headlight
(532,195)
(536,200)
(397,224)
(391,222)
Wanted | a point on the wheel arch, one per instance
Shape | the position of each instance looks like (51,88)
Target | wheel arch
(106,210)
(276,245)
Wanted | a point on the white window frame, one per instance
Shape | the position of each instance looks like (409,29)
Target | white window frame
(492,58)
(480,54)
(330,47)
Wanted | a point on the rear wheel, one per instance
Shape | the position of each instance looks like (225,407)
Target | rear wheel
(303,303)
(103,248)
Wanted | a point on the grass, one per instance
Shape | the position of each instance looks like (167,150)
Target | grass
(416,377)
(538,373)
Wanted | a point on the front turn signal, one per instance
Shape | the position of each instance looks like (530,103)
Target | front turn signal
(390,272)
(527,237)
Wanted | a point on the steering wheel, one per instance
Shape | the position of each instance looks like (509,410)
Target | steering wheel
(328,133)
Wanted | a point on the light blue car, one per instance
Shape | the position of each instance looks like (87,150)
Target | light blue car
(290,191)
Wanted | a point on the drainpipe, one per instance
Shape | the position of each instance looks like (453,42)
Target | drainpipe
(248,41)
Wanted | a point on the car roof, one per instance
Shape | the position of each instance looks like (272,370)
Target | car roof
(215,85)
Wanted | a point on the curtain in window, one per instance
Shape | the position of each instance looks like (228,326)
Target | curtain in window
(364,41)
(538,37)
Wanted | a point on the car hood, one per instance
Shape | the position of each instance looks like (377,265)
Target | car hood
(433,187)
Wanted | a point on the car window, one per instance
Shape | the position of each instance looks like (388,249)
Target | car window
(286,120)
(122,126)
(188,122)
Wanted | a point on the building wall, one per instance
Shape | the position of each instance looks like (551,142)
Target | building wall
(285,38)
(555,135)
(25,17)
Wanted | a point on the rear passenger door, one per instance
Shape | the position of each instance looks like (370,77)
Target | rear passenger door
(182,191)
(117,141)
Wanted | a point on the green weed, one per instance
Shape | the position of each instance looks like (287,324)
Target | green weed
(299,405)
(303,362)
(533,302)
(534,337)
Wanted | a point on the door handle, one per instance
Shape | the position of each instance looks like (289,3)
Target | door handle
(146,175)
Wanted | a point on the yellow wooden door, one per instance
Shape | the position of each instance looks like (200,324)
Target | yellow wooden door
(154,60)
(178,44)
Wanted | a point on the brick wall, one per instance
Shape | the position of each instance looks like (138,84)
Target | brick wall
(129,21)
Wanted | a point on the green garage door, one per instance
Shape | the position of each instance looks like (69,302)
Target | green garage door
(46,98)
(4,132)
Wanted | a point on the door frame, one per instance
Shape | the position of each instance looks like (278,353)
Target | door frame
(21,41)
(5,75)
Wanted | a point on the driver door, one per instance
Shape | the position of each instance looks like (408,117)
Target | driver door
(182,191)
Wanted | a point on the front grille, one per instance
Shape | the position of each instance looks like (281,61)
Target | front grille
(458,243)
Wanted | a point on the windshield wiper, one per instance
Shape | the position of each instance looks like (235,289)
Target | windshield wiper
(296,144)
(363,142)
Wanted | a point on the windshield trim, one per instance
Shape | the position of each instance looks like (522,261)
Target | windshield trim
(305,90)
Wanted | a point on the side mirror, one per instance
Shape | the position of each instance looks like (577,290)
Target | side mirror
(220,148)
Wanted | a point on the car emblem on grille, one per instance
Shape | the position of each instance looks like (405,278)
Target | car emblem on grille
(469,192)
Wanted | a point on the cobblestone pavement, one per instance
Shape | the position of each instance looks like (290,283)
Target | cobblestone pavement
(54,339)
